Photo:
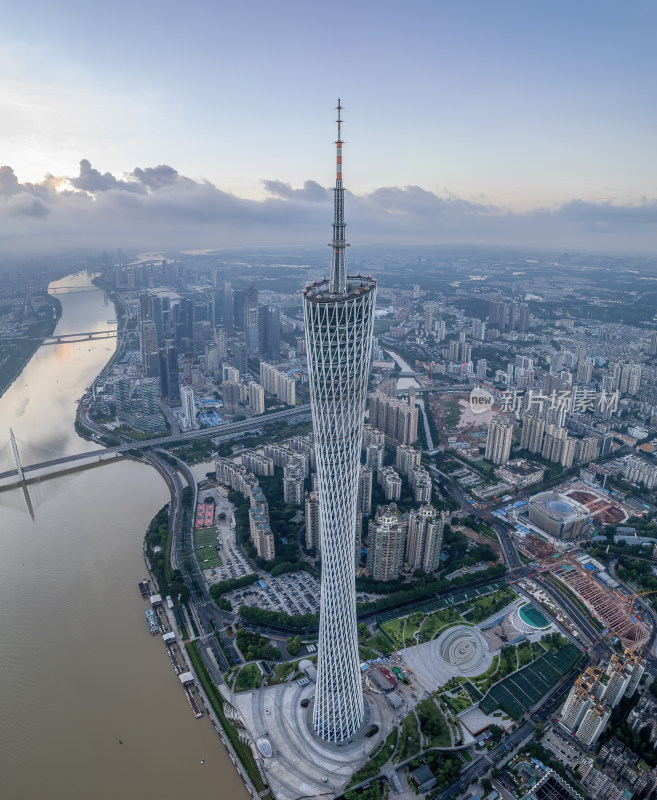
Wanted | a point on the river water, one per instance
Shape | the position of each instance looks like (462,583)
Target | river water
(79,669)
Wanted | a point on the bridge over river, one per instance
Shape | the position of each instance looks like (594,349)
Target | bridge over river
(20,473)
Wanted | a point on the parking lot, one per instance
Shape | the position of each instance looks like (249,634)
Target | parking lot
(294,593)
(562,746)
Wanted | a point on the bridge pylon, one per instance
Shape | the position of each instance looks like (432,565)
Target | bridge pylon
(14,447)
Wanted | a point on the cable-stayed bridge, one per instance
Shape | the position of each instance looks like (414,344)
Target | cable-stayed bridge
(18,459)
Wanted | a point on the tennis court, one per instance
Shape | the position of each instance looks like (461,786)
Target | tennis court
(515,694)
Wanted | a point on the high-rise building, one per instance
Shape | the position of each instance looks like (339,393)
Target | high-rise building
(150,392)
(339,316)
(269,328)
(278,383)
(148,343)
(122,394)
(498,441)
(364,504)
(636,471)
(478,330)
(293,489)
(230,396)
(390,482)
(388,386)
(584,372)
(221,340)
(482,368)
(374,456)
(428,320)
(523,322)
(313,530)
(425,539)
(496,311)
(256,398)
(252,332)
(241,358)
(533,428)
(372,435)
(396,418)
(169,381)
(597,691)
(386,543)
(188,407)
(634,383)
(406,459)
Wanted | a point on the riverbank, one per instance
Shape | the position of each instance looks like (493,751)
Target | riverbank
(208,690)
(18,351)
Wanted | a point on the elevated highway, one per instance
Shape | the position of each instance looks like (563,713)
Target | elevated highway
(100,456)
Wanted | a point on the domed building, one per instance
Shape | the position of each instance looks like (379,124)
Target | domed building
(558,515)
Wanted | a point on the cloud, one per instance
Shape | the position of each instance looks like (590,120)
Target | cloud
(157,207)
(311,192)
(91,180)
(157,177)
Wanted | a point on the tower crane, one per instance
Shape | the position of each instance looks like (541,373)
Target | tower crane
(630,605)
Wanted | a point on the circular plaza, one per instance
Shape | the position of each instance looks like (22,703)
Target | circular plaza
(461,647)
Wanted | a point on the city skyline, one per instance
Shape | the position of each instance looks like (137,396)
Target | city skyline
(514,125)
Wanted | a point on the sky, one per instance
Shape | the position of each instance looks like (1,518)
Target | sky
(523,123)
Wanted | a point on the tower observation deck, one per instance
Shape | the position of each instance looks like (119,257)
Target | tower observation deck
(339,315)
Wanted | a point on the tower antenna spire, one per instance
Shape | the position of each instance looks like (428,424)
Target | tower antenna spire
(338,245)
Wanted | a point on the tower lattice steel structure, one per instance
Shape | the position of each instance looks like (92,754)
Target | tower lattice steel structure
(339,314)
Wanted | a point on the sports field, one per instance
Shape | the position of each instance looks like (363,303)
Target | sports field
(205,537)
(520,691)
(208,557)
(205,547)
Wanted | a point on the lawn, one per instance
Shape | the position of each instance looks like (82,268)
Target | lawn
(525,655)
(409,744)
(379,757)
(484,681)
(205,537)
(207,557)
(433,724)
(553,642)
(282,671)
(459,703)
(452,414)
(380,643)
(366,654)
(395,630)
(436,620)
(412,625)
(249,677)
(484,607)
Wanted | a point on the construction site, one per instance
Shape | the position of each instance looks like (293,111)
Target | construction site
(602,595)
(602,508)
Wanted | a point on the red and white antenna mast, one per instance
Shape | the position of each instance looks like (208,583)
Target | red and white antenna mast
(338,245)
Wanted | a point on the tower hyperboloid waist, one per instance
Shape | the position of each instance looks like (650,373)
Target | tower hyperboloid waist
(339,314)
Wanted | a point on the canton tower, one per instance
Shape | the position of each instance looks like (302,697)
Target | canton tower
(339,314)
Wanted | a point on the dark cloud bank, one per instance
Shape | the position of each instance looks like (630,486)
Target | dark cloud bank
(156,207)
